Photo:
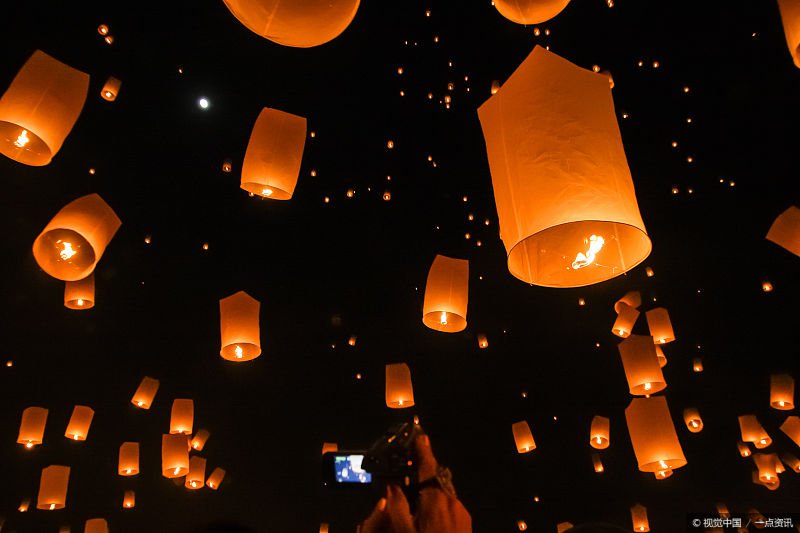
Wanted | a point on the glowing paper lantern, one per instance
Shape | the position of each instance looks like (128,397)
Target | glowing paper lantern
(639,518)
(495,87)
(660,325)
(73,242)
(128,459)
(79,295)
(129,499)
(53,488)
(483,342)
(323,528)
(145,393)
(24,505)
(399,392)
(39,108)
(599,437)
(182,416)
(529,11)
(64,529)
(631,299)
(598,464)
(791,426)
(625,321)
(774,484)
(744,449)
(790,14)
(781,392)
(239,327)
(96,525)
(792,462)
(641,365)
(174,455)
(752,431)
(196,477)
(785,231)
(31,429)
(110,89)
(446,294)
(198,442)
(561,527)
(564,193)
(653,435)
(329,447)
(693,421)
(522,525)
(767,467)
(662,359)
(301,24)
(697,365)
(523,437)
(79,422)
(215,478)
(227,165)
(274,153)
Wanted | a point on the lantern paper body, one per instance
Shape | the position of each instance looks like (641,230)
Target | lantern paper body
(215,478)
(79,295)
(598,464)
(274,153)
(128,459)
(599,433)
(744,449)
(145,393)
(96,525)
(73,242)
(483,342)
(300,23)
(561,527)
(446,295)
(196,477)
(530,11)
(129,499)
(110,89)
(31,429)
(767,467)
(323,528)
(182,417)
(693,421)
(329,447)
(660,325)
(631,299)
(399,391)
(560,176)
(785,231)
(641,365)
(523,437)
(239,326)
(626,318)
(24,505)
(752,431)
(792,462)
(781,392)
(790,14)
(78,427)
(791,426)
(39,108)
(662,359)
(639,518)
(53,488)
(653,436)
(198,442)
(774,484)
(174,455)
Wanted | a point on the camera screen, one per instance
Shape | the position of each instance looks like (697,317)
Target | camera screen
(348,469)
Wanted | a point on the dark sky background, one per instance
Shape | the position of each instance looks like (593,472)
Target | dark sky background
(358,266)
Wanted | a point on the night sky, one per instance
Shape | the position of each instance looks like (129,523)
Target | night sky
(324,271)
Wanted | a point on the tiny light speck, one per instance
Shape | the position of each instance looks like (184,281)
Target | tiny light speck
(203,103)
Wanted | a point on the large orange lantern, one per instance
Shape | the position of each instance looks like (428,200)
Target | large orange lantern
(72,243)
(790,14)
(53,488)
(128,459)
(198,442)
(145,393)
(653,435)
(96,525)
(753,431)
(196,477)
(111,89)
(399,391)
(641,365)
(174,455)
(301,23)
(693,421)
(564,193)
(599,435)
(39,108)
(625,321)
(781,392)
(639,518)
(446,295)
(785,231)
(660,325)
(529,11)
(182,416)
(129,499)
(79,422)
(215,478)
(239,327)
(523,437)
(791,426)
(274,153)
(79,295)
(31,428)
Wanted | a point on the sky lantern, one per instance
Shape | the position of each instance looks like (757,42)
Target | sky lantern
(639,518)
(529,11)
(781,392)
(564,193)
(767,464)
(174,455)
(129,499)
(446,295)
(744,449)
(239,327)
(523,437)
(790,14)
(597,463)
(697,365)
(39,109)
(128,459)
(24,505)
(79,295)
(785,231)
(662,358)
(483,341)
(791,461)
(300,24)
(752,431)
(145,393)
(631,299)
(625,321)
(693,421)
(110,89)
(274,153)
(329,447)
(72,243)
(641,365)
(79,422)
(660,325)
(215,478)
(31,428)
(653,435)
(96,525)
(791,426)
(599,434)
(399,391)
(53,488)
(182,416)
(495,86)
(561,527)
(196,477)
(323,528)
(198,442)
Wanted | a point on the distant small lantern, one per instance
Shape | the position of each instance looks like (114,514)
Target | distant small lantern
(227,165)
(446,295)
(96,525)
(387,195)
(323,528)
(39,109)
(78,427)
(781,392)
(744,449)
(215,478)
(129,499)
(597,463)
(523,437)
(352,340)
(196,477)
(790,14)
(239,327)
(791,426)
(653,435)
(329,447)
(174,455)
(752,431)
(199,440)
(128,459)
(697,365)
(79,295)
(693,421)
(399,391)
(181,417)
(483,342)
(145,393)
(639,518)
(625,321)
(723,510)
(24,505)
(102,29)
(662,358)
(63,529)
(31,429)
(641,365)
(53,488)
(529,11)
(785,230)
(522,525)
(660,325)
(274,153)
(495,87)
(648,270)
(599,434)
(111,89)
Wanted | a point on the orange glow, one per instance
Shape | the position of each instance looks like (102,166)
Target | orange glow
(128,459)
(399,390)
(446,294)
(653,435)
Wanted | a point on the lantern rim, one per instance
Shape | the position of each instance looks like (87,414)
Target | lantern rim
(257,189)
(35,153)
(788,405)
(250,351)
(455,322)
(656,466)
(395,404)
(88,303)
(535,14)
(170,472)
(44,252)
